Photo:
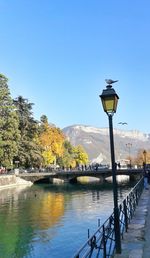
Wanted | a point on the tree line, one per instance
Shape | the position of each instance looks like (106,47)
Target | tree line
(29,142)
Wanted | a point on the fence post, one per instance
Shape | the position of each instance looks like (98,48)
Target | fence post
(137,197)
(104,243)
(125,214)
(130,205)
(88,233)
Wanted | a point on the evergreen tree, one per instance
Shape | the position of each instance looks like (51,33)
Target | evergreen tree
(44,119)
(29,150)
(9,133)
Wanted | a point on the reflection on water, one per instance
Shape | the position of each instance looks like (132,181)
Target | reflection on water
(46,220)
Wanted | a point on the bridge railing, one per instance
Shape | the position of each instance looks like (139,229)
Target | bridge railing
(102,242)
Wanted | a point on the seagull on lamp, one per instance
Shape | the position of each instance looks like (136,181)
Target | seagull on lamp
(122,123)
(110,81)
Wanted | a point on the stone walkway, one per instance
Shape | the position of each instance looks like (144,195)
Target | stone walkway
(136,242)
(146,251)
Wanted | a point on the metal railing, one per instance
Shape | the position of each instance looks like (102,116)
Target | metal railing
(102,242)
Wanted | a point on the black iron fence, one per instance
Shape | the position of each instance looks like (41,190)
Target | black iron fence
(102,242)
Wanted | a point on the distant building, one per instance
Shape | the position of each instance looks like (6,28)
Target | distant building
(124,163)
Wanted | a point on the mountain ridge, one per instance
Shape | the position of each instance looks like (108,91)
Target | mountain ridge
(95,140)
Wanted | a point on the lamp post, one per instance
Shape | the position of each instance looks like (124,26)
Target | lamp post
(129,145)
(144,163)
(109,100)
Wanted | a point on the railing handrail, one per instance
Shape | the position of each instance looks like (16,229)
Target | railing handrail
(90,238)
(105,232)
(134,188)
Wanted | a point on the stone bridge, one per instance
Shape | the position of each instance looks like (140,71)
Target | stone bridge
(71,176)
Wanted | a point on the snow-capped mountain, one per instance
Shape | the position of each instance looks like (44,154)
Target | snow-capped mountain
(96,141)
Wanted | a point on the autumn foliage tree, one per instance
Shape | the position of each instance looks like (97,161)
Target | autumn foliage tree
(57,149)
(51,140)
(67,160)
(81,157)
(139,159)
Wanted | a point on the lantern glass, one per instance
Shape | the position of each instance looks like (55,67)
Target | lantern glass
(109,100)
(109,103)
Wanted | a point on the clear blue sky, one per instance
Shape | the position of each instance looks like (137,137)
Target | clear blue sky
(58,53)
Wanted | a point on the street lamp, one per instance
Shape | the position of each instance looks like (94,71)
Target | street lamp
(109,100)
(144,163)
(129,145)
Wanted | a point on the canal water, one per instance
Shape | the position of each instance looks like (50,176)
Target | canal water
(52,221)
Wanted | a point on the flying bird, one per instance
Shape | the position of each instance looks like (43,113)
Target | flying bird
(122,123)
(110,81)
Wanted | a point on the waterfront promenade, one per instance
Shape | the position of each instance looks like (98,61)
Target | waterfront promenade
(136,242)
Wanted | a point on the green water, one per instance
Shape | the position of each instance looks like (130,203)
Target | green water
(52,221)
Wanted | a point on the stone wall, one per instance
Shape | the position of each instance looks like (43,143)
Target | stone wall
(12,180)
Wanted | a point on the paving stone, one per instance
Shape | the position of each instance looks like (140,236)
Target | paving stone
(138,253)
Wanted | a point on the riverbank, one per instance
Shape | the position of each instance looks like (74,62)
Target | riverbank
(11,181)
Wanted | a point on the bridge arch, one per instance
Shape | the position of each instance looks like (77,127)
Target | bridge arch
(72,176)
